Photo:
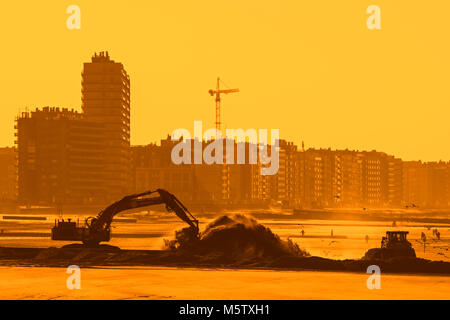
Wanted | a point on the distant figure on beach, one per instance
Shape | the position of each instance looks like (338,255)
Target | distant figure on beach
(394,224)
(302,231)
(332,233)
(423,237)
(367,238)
(437,234)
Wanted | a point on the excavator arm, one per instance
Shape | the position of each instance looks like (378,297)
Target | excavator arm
(97,229)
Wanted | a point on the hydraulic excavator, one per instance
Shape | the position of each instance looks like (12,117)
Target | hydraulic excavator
(98,229)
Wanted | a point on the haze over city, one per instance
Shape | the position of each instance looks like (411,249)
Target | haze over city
(313,70)
(115,185)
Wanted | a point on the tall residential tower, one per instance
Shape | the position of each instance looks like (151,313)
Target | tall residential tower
(106,100)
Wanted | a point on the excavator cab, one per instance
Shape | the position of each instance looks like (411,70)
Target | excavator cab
(72,231)
(65,230)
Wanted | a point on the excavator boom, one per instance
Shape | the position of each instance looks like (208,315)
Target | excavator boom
(98,229)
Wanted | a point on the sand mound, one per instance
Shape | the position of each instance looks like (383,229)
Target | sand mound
(101,247)
(49,253)
(238,237)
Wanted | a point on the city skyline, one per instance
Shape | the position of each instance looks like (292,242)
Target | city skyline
(157,139)
(67,157)
(192,150)
(343,87)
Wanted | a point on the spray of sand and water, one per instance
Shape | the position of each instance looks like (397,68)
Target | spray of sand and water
(236,237)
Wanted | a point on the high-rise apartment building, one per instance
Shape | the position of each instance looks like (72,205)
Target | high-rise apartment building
(284,183)
(319,171)
(394,181)
(373,179)
(59,158)
(7,174)
(106,100)
(426,184)
(67,157)
(348,178)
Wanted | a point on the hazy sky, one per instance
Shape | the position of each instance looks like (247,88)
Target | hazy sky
(309,68)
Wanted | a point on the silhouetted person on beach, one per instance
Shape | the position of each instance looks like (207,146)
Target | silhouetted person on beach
(424,240)
(332,233)
(367,238)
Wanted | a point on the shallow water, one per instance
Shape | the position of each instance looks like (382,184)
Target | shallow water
(348,241)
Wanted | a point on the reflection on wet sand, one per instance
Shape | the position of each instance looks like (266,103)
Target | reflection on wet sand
(173,283)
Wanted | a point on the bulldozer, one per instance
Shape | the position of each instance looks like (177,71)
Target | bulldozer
(393,245)
(98,229)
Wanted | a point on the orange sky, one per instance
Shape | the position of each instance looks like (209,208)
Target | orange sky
(309,68)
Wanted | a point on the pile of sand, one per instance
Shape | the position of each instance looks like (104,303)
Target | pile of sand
(237,238)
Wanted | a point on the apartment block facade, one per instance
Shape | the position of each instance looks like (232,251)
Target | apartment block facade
(8,175)
(59,157)
(105,90)
(315,178)
(426,184)
(153,168)
(70,157)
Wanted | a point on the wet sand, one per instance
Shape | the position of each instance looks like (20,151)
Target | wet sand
(250,258)
(173,283)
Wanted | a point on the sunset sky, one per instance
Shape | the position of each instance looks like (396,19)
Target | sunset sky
(309,68)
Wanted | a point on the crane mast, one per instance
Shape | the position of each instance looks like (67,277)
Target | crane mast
(217,93)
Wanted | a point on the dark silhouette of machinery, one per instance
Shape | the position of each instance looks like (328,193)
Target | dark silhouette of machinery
(395,239)
(98,229)
(393,245)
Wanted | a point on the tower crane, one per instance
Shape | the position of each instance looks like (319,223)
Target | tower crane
(217,93)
